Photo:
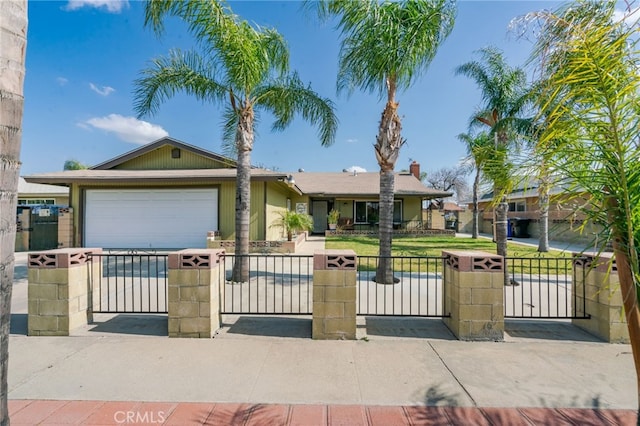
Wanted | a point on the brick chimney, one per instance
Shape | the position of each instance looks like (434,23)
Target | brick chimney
(414,169)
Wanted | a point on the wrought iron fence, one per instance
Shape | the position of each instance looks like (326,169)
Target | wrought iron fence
(130,283)
(544,288)
(417,290)
(283,285)
(277,285)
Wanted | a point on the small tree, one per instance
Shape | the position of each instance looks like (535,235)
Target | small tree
(503,90)
(294,222)
(479,148)
(589,103)
(73,164)
(449,179)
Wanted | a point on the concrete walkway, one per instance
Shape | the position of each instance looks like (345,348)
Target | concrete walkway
(267,370)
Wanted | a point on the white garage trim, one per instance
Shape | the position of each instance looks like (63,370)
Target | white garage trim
(149,218)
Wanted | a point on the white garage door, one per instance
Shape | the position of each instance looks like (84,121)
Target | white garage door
(150,218)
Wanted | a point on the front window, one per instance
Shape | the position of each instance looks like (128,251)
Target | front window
(30,202)
(369,211)
(518,206)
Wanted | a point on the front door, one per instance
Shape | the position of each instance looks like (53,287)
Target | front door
(319,212)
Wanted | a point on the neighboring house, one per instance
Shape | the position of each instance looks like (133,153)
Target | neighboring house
(40,216)
(524,214)
(169,194)
(30,194)
(355,195)
(442,214)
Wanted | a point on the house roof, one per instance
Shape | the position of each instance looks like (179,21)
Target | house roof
(89,176)
(313,184)
(116,161)
(26,188)
(447,206)
(360,184)
(528,192)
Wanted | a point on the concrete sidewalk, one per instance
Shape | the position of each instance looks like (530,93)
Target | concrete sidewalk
(273,360)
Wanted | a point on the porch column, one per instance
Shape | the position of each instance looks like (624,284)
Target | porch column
(59,290)
(597,293)
(474,295)
(194,292)
(334,295)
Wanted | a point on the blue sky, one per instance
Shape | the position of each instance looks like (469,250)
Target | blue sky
(83,58)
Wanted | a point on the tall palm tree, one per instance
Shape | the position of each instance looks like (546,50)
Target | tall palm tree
(386,46)
(591,113)
(479,148)
(503,90)
(243,68)
(13,24)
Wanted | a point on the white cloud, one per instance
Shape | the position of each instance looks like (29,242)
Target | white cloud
(352,140)
(104,91)
(111,6)
(128,129)
(62,81)
(356,169)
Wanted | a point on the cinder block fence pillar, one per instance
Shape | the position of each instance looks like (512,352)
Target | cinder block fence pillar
(474,295)
(194,292)
(334,295)
(597,288)
(59,290)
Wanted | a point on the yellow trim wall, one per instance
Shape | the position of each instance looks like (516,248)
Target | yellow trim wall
(161,159)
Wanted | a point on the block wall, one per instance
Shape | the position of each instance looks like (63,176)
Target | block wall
(59,291)
(597,288)
(334,295)
(474,295)
(194,293)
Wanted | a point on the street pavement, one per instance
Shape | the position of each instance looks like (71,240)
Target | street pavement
(267,370)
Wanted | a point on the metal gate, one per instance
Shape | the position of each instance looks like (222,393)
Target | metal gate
(130,282)
(277,285)
(43,228)
(418,290)
(544,288)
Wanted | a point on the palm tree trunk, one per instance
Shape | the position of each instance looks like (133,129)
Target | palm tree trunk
(501,234)
(387,148)
(13,23)
(628,289)
(543,239)
(384,274)
(475,232)
(244,145)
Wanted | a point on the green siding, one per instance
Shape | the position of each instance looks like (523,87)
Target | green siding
(257,221)
(345,207)
(276,203)
(160,159)
(412,209)
(227,206)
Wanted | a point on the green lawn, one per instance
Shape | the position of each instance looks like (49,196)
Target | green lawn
(432,246)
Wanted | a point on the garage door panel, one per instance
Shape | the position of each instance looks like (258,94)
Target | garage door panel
(158,218)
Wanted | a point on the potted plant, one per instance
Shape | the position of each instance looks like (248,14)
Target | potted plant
(332,218)
(294,222)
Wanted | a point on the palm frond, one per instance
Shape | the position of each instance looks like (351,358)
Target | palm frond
(288,96)
(168,75)
(383,41)
(590,103)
